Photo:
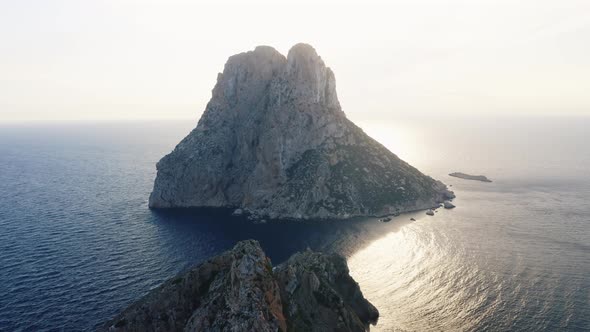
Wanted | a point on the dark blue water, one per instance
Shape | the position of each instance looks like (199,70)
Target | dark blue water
(78,243)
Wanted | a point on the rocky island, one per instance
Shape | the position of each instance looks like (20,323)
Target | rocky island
(464,176)
(240,290)
(273,142)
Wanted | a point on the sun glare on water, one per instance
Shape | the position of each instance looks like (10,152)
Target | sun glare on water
(414,277)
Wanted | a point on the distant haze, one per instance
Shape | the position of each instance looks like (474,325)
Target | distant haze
(123,59)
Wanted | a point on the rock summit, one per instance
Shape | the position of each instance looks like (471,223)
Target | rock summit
(239,290)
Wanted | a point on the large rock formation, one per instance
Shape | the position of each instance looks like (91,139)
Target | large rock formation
(319,294)
(274,141)
(239,291)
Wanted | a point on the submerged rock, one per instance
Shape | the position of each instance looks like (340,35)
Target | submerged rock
(239,291)
(464,176)
(274,142)
(430,212)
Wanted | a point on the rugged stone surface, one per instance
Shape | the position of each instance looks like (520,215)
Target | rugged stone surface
(319,294)
(464,176)
(239,291)
(448,205)
(235,291)
(274,142)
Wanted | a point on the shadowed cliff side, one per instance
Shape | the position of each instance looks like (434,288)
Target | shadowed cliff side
(239,291)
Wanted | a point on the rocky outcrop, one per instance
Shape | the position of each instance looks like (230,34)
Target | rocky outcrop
(274,142)
(239,291)
(235,291)
(319,294)
(448,205)
(464,176)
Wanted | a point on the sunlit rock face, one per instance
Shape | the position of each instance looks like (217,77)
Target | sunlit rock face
(274,141)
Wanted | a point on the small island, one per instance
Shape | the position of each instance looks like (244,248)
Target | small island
(464,176)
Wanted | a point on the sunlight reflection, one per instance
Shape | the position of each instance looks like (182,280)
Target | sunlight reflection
(402,140)
(416,277)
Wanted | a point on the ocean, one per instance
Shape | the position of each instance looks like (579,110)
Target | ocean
(78,243)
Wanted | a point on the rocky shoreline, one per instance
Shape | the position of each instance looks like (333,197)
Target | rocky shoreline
(240,290)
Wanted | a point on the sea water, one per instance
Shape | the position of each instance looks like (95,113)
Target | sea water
(514,255)
(78,243)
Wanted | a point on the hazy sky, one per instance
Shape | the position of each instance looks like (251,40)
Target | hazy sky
(123,59)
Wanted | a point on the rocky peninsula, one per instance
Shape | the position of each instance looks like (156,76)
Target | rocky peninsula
(464,176)
(274,143)
(240,290)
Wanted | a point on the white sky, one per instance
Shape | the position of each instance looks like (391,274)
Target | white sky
(123,59)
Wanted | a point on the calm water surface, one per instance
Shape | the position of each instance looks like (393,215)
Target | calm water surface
(77,242)
(514,255)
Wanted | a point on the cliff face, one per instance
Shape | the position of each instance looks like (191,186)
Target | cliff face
(319,294)
(238,291)
(274,141)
